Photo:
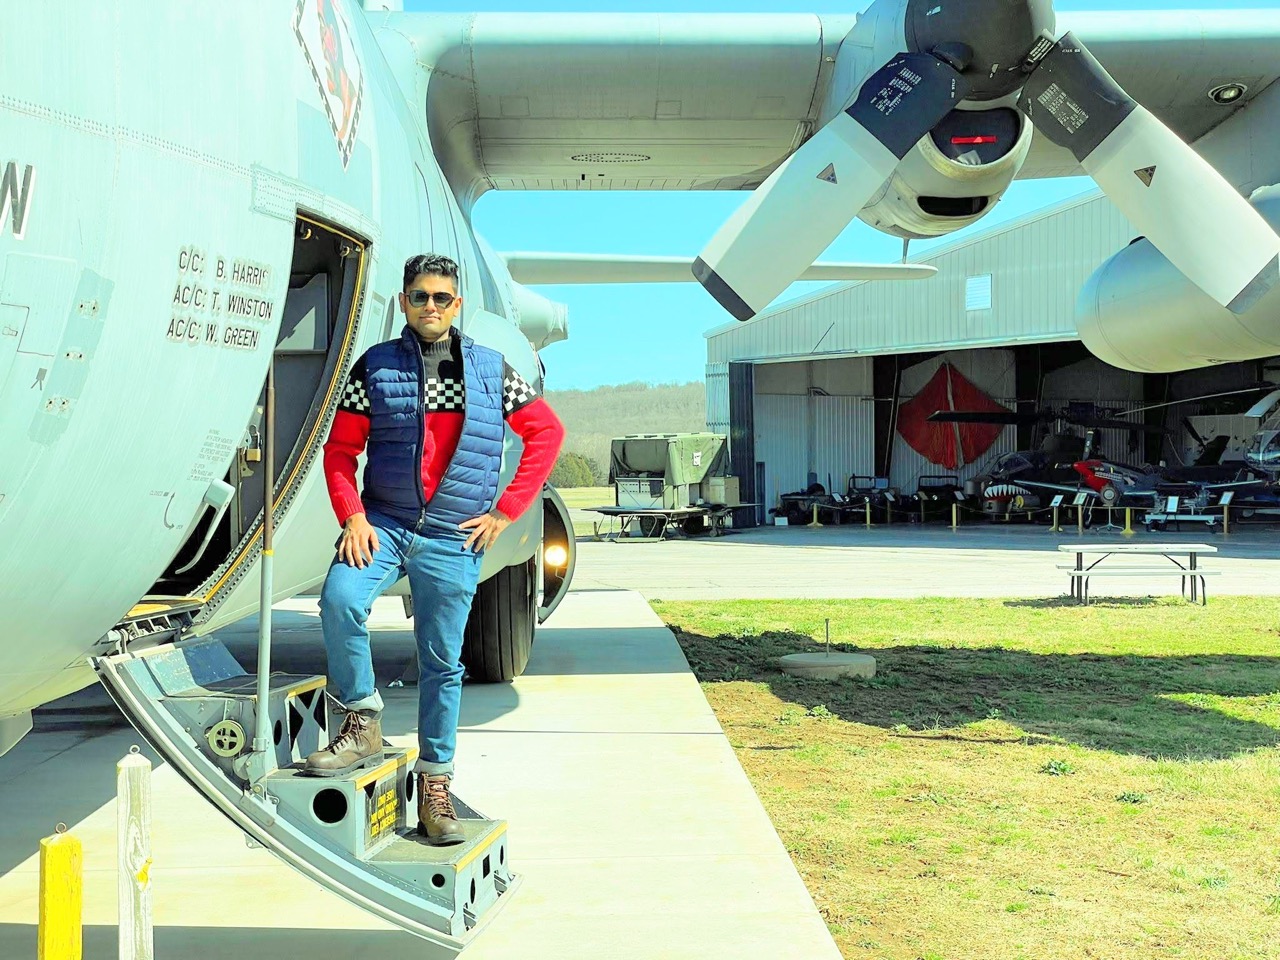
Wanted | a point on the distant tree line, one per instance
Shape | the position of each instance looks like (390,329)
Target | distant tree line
(575,470)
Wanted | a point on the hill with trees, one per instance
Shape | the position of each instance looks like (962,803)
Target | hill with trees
(594,417)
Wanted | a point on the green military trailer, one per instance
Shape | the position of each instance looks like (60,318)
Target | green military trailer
(669,481)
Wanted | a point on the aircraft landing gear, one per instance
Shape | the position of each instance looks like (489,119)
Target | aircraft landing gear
(499,633)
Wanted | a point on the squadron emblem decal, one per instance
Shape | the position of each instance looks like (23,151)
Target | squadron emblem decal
(325,35)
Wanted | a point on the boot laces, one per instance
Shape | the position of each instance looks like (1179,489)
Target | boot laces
(347,734)
(439,802)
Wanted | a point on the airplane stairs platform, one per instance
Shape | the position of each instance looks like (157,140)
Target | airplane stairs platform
(355,834)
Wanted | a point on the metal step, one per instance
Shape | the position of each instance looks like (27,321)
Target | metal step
(355,835)
(209,693)
(360,812)
(471,875)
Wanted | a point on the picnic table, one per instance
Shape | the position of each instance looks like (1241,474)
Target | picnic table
(1183,557)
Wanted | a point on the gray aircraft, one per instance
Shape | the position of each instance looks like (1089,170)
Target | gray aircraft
(193,196)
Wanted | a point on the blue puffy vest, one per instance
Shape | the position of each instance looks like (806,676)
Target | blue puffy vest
(393,469)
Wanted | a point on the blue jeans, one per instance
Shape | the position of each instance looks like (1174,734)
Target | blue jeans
(442,577)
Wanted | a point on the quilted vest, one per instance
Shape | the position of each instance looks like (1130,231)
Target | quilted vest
(393,468)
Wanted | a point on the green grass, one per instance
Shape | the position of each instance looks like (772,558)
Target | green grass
(581,498)
(1020,778)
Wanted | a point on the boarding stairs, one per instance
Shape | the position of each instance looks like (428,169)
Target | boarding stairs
(355,835)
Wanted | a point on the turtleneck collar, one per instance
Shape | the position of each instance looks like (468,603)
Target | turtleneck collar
(440,348)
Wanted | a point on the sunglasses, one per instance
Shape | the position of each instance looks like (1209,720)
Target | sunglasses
(420,298)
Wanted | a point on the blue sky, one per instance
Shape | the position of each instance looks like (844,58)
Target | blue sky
(621,333)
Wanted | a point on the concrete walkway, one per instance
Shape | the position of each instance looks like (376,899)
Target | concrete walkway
(634,826)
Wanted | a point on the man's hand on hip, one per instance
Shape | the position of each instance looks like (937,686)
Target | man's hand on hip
(485,529)
(359,541)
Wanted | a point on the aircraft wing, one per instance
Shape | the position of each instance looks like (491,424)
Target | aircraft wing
(605,268)
(715,102)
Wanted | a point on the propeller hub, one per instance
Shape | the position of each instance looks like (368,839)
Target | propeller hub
(999,34)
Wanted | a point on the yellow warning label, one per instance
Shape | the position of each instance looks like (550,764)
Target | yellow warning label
(383,808)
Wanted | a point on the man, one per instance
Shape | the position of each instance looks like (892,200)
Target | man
(431,407)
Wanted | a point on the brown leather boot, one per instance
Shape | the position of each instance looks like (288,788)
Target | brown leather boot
(358,744)
(437,820)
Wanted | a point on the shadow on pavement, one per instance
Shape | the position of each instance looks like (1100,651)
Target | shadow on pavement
(256,943)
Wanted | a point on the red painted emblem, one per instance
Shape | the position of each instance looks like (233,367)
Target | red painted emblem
(327,40)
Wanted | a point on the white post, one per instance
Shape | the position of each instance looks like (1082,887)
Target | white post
(133,843)
(262,760)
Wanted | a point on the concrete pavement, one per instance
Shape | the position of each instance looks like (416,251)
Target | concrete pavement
(634,826)
(978,560)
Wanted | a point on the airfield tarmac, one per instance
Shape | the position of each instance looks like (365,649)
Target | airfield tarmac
(979,559)
(637,832)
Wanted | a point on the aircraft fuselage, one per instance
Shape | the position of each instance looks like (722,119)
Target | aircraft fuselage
(155,196)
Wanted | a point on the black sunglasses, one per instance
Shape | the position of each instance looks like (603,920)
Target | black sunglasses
(420,298)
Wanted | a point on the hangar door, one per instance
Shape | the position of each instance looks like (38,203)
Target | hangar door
(831,437)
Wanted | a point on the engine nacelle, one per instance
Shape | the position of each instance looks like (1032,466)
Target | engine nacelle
(542,321)
(1139,312)
(954,175)
(957,172)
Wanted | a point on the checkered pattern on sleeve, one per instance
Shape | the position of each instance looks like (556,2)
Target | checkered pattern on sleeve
(516,391)
(445,395)
(355,399)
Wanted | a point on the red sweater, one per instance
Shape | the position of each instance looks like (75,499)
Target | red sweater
(527,413)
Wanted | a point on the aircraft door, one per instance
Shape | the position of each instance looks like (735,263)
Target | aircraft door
(316,328)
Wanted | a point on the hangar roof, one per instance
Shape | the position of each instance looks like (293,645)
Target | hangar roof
(1017,283)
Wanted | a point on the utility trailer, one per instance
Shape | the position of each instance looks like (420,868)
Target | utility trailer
(668,482)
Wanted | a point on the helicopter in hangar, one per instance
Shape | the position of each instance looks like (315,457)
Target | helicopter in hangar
(181,222)
(1066,462)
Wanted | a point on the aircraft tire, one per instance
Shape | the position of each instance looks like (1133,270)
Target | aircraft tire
(499,634)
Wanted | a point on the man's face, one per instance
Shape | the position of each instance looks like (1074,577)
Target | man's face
(430,320)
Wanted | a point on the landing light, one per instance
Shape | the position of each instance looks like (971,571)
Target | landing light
(556,555)
(1227,92)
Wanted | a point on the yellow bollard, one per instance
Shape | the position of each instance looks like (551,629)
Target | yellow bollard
(922,511)
(955,516)
(815,516)
(61,896)
(867,505)
(1128,522)
(1226,519)
(1080,521)
(888,512)
(1057,527)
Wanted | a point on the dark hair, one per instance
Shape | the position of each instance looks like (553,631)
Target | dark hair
(433,265)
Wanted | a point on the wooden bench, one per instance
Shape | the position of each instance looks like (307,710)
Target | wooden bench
(1191,574)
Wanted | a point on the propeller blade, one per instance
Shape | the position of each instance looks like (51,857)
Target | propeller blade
(1168,191)
(965,416)
(1104,423)
(1260,408)
(795,214)
(1195,434)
